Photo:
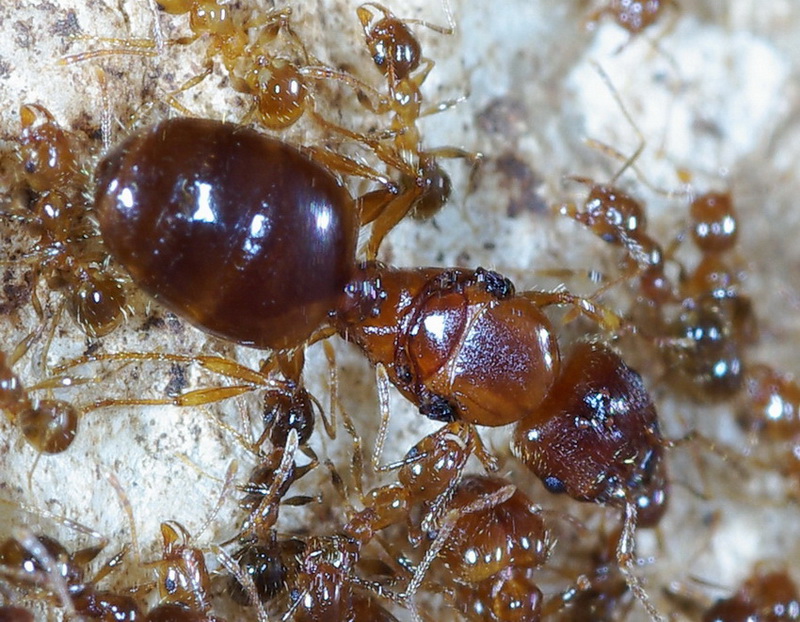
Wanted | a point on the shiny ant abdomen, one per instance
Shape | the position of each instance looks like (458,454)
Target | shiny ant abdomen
(266,236)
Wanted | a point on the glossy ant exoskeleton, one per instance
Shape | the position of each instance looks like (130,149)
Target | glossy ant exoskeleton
(68,251)
(14,613)
(496,538)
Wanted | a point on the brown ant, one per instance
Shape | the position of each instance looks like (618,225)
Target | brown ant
(768,595)
(43,563)
(70,255)
(494,540)
(49,425)
(633,15)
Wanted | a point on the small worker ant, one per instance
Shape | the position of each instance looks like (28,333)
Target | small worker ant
(42,563)
(424,187)
(768,595)
(633,15)
(183,578)
(49,425)
(495,539)
(69,252)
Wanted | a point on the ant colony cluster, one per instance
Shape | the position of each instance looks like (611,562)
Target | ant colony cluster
(202,290)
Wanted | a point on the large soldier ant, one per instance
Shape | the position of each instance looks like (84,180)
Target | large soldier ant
(460,344)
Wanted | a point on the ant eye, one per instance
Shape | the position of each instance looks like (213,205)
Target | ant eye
(438,409)
(554,485)
(496,284)
(403,373)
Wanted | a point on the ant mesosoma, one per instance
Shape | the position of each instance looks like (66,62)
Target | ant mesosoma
(69,253)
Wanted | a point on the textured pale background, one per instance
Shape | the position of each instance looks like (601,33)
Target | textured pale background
(722,103)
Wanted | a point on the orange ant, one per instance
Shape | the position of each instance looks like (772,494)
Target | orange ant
(69,251)
(183,578)
(424,187)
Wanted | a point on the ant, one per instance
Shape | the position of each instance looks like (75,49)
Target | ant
(424,187)
(49,426)
(633,15)
(184,582)
(767,595)
(70,254)
(494,540)
(700,320)
(43,563)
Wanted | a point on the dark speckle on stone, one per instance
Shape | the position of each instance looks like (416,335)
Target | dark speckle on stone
(523,185)
(67,26)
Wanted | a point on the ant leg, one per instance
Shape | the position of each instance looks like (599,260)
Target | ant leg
(357,460)
(125,502)
(478,449)
(382,377)
(390,216)
(600,314)
(120,47)
(264,516)
(625,558)
(230,473)
(348,166)
(244,579)
(31,543)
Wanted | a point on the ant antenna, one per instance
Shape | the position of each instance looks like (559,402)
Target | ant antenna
(629,162)
(128,509)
